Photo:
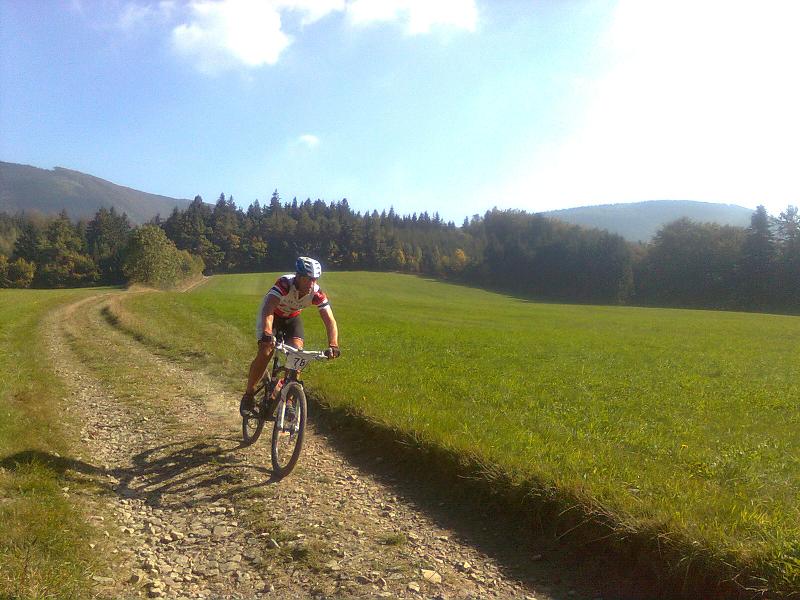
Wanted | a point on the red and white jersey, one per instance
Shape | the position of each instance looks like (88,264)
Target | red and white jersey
(291,302)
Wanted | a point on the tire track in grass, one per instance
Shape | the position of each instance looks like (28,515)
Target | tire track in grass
(192,514)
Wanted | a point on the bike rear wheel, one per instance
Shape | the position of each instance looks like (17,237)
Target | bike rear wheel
(288,432)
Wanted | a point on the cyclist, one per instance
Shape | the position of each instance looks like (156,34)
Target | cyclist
(280,314)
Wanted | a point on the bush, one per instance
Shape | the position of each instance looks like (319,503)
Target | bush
(191,265)
(4,282)
(152,259)
(67,268)
(16,274)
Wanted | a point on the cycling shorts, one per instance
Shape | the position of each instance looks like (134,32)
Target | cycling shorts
(288,328)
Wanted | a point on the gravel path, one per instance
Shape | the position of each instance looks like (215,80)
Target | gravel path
(189,513)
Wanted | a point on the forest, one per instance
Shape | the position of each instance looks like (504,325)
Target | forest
(687,264)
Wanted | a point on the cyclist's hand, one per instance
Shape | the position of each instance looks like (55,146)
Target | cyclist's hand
(268,339)
(332,352)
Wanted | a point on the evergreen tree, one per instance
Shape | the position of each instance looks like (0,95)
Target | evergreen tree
(788,238)
(29,242)
(9,231)
(106,238)
(757,267)
(62,258)
(190,230)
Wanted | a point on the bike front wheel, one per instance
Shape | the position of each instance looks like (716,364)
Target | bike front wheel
(289,430)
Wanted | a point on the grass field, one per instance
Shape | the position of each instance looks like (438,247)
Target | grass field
(43,535)
(678,425)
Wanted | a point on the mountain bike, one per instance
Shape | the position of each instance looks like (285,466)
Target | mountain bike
(284,402)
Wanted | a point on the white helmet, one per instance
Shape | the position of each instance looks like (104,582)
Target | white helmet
(308,267)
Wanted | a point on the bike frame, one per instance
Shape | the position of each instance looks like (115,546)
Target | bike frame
(282,348)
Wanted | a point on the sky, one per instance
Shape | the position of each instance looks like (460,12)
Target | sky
(448,106)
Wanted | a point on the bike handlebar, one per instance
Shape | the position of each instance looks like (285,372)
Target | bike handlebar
(312,354)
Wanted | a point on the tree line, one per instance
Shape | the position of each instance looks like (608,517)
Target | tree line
(687,264)
(54,252)
(705,265)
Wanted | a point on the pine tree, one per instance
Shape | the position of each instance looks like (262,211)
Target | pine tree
(757,269)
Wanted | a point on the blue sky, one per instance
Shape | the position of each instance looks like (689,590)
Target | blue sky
(453,106)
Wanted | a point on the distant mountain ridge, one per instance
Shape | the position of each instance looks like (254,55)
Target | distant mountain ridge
(639,221)
(26,188)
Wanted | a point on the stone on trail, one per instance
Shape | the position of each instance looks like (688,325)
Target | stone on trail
(333,566)
(136,577)
(220,531)
(414,586)
(431,576)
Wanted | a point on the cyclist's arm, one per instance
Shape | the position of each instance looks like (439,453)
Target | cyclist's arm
(330,326)
(268,314)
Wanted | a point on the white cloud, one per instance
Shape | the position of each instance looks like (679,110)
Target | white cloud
(420,15)
(700,103)
(308,140)
(311,10)
(226,34)
(223,35)
(135,15)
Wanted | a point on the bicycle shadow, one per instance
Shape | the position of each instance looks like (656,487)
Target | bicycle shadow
(189,472)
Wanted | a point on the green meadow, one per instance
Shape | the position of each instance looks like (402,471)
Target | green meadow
(44,552)
(675,425)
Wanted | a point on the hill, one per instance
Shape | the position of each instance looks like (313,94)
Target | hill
(26,188)
(639,221)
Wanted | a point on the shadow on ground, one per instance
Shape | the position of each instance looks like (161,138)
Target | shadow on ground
(532,539)
(550,551)
(190,472)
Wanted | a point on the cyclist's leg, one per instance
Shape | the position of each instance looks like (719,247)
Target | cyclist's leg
(295,332)
(292,331)
(260,363)
(259,366)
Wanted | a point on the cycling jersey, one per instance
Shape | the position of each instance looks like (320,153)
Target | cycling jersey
(291,302)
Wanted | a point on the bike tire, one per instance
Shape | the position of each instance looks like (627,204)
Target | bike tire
(252,427)
(287,441)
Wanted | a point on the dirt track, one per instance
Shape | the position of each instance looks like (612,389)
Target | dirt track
(190,513)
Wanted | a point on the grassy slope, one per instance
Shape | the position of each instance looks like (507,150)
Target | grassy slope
(676,422)
(42,534)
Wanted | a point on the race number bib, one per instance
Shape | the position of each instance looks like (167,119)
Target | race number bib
(296,361)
